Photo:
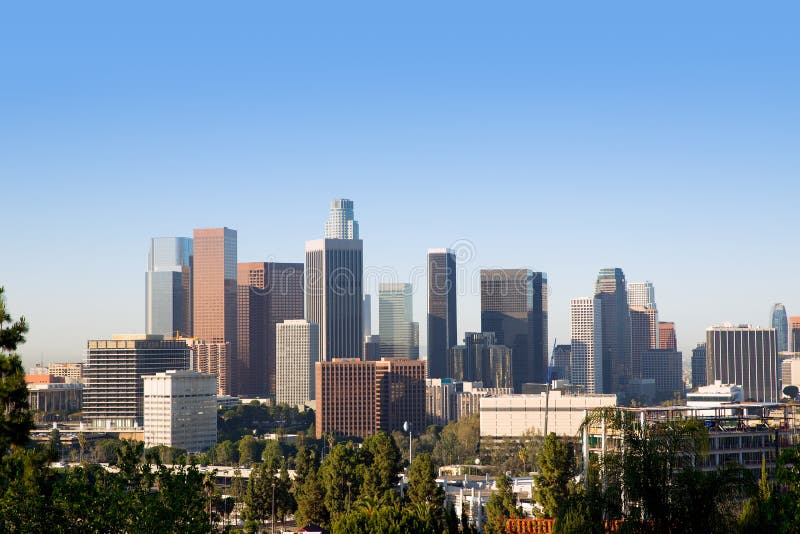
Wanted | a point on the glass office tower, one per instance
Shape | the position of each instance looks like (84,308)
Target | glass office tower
(168,287)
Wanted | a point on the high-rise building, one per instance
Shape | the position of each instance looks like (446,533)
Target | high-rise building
(395,322)
(168,287)
(699,376)
(335,285)
(358,398)
(366,316)
(297,350)
(499,373)
(72,372)
(794,334)
(790,372)
(372,348)
(644,335)
(641,294)
(113,396)
(780,323)
(269,293)
(442,314)
(562,355)
(514,307)
(586,360)
(180,410)
(341,223)
(746,356)
(611,289)
(665,366)
(481,359)
(214,359)
(215,289)
(666,336)
(448,400)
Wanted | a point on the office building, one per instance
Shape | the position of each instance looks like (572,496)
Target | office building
(442,312)
(642,295)
(366,316)
(334,285)
(168,287)
(481,359)
(790,372)
(180,410)
(514,307)
(214,359)
(562,368)
(113,396)
(397,330)
(666,336)
(794,334)
(586,332)
(448,400)
(268,293)
(54,396)
(72,372)
(215,291)
(644,335)
(515,416)
(780,323)
(611,289)
(372,348)
(665,367)
(341,223)
(297,350)
(358,398)
(746,356)
(699,376)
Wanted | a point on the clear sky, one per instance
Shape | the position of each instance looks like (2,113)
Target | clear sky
(561,136)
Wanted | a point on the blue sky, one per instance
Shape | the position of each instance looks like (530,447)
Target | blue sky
(564,137)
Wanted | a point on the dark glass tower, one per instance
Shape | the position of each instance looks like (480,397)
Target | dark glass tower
(442,319)
(616,327)
(514,307)
(780,323)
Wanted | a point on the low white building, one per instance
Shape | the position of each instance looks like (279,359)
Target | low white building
(714,395)
(180,410)
(515,415)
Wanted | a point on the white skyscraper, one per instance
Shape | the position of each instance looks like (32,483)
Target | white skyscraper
(397,331)
(586,359)
(641,294)
(341,222)
(296,351)
(180,410)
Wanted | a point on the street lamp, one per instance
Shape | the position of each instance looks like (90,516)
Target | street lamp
(477,465)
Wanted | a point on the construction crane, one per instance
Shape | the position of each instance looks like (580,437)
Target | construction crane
(547,386)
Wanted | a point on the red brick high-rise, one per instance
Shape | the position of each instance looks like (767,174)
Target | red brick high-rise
(666,336)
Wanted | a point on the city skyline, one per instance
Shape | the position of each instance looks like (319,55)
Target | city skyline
(104,147)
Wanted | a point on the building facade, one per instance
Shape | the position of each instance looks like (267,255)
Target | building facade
(113,396)
(514,307)
(71,371)
(395,319)
(611,289)
(641,294)
(358,398)
(644,335)
(746,356)
(442,312)
(794,334)
(665,367)
(180,410)
(586,332)
(699,376)
(341,223)
(168,287)
(215,291)
(297,350)
(562,366)
(666,336)
(214,359)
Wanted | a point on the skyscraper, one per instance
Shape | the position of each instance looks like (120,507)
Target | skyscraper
(514,307)
(215,291)
(699,376)
(366,316)
(341,222)
(794,334)
(780,323)
(168,287)
(610,288)
(666,336)
(297,351)
(744,355)
(334,285)
(644,335)
(641,294)
(586,359)
(665,367)
(442,316)
(395,322)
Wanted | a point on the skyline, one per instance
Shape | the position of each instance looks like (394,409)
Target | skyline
(540,134)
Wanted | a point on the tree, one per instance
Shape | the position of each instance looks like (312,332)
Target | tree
(339,474)
(382,462)
(258,498)
(249,450)
(500,506)
(310,499)
(422,486)
(81,444)
(16,421)
(556,463)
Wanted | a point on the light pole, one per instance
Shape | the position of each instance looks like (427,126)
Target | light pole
(477,465)
(407,428)
(273,507)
